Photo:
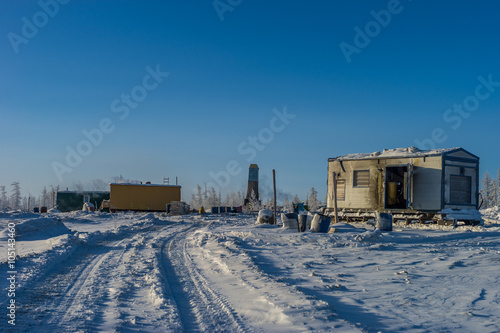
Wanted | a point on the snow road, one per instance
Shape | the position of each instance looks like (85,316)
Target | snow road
(124,281)
(154,273)
(102,286)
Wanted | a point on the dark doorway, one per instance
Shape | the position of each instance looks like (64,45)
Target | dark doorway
(396,187)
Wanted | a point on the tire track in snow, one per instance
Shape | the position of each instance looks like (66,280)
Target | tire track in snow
(209,293)
(269,302)
(135,297)
(51,301)
(70,297)
(87,282)
(200,307)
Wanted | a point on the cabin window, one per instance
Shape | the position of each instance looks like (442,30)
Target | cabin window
(86,198)
(460,189)
(361,178)
(341,189)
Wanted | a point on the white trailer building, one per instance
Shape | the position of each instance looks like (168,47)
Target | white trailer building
(407,182)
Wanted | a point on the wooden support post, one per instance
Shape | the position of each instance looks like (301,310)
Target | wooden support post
(335,197)
(274,188)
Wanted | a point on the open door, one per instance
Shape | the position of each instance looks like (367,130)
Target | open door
(409,186)
(399,187)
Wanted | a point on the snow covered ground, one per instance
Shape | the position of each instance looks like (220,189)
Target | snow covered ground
(93,272)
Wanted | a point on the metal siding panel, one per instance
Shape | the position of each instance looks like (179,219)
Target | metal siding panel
(470,172)
(460,159)
(460,189)
(355,197)
(461,153)
(143,197)
(426,188)
(477,186)
(67,202)
(71,201)
(341,189)
(427,175)
(443,179)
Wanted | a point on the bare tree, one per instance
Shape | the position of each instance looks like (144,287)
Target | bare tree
(44,198)
(15,197)
(240,199)
(4,202)
(253,202)
(269,204)
(498,188)
(212,199)
(488,191)
(99,185)
(32,202)
(197,198)
(25,204)
(286,204)
(192,203)
(313,201)
(78,186)
(206,202)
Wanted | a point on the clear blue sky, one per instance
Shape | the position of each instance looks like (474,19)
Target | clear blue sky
(225,79)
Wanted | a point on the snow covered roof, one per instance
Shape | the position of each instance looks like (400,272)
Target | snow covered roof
(83,192)
(135,184)
(411,152)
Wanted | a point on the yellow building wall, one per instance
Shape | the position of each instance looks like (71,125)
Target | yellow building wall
(143,197)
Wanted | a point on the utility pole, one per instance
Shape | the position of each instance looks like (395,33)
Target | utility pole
(274,188)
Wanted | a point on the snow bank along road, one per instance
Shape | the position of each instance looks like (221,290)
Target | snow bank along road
(149,272)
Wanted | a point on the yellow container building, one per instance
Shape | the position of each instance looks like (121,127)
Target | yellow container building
(142,197)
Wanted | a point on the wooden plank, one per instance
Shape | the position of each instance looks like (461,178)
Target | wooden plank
(335,197)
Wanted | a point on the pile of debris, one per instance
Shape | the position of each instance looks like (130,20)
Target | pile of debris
(178,208)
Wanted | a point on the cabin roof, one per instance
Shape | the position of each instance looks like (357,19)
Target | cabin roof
(83,192)
(411,152)
(148,185)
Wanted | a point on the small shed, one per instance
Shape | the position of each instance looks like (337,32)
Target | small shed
(405,180)
(67,201)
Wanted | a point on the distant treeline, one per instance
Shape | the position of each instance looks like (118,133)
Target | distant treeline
(490,191)
(208,197)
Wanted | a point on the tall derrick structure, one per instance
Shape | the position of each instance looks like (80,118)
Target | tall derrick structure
(253,182)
